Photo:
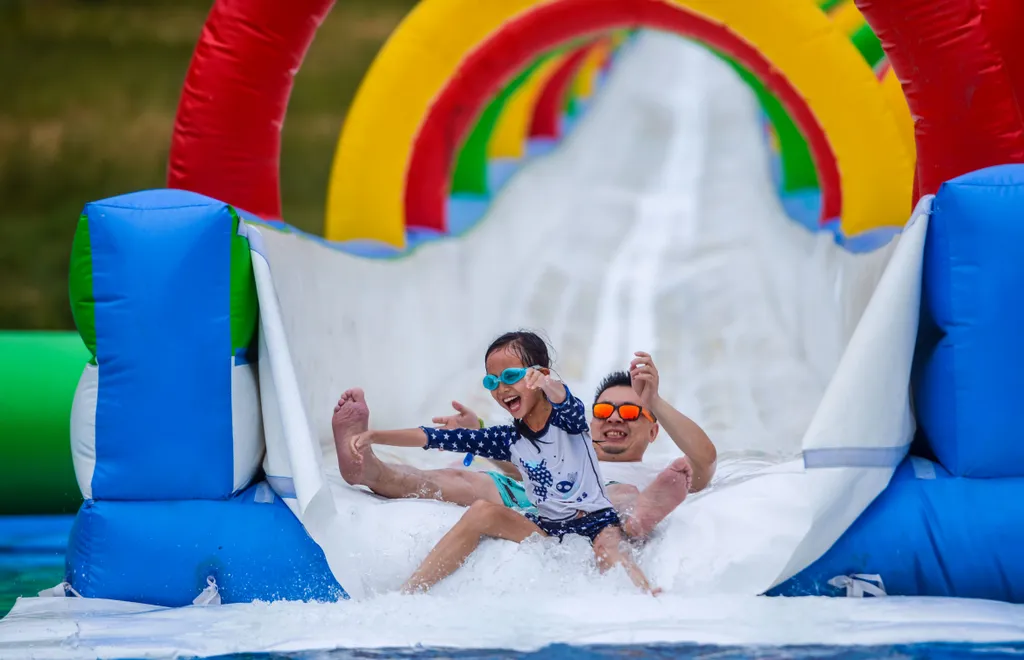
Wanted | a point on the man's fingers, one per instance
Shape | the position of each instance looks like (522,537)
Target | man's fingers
(642,358)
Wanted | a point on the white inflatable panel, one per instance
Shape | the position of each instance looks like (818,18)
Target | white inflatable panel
(246,423)
(83,428)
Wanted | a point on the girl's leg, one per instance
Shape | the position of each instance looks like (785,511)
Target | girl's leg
(461,487)
(623,498)
(608,547)
(483,519)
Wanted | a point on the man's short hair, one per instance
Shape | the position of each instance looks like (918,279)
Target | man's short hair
(614,379)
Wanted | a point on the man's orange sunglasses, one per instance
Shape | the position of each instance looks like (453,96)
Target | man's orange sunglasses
(629,412)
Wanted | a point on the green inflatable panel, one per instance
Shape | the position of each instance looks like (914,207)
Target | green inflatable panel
(868,44)
(37,385)
(827,5)
(570,104)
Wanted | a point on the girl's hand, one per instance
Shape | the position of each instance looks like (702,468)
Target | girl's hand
(551,386)
(464,419)
(361,442)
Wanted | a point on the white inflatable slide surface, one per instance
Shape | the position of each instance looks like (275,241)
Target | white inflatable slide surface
(655,228)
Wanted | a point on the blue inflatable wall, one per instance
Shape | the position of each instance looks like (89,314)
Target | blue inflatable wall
(162,553)
(166,427)
(951,523)
(151,288)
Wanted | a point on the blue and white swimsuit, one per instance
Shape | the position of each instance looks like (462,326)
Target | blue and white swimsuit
(558,464)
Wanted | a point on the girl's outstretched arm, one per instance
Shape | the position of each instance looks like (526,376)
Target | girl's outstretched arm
(400,438)
(493,442)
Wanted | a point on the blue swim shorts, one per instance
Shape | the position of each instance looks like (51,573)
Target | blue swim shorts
(589,525)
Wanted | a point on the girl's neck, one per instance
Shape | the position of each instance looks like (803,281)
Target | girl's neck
(537,418)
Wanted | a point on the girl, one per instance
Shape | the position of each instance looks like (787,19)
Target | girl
(548,440)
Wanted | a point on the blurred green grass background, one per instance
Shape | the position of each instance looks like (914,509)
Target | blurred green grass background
(88,93)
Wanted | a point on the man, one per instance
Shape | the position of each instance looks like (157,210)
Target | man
(627,414)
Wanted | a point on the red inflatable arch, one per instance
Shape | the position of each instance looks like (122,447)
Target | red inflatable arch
(961,66)
(227,133)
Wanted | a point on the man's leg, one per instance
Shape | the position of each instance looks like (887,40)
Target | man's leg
(351,416)
(483,519)
(642,511)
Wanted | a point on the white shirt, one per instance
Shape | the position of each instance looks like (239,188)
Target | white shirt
(634,473)
(558,463)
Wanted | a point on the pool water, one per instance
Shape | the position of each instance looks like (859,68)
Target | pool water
(31,555)
(656,652)
(32,558)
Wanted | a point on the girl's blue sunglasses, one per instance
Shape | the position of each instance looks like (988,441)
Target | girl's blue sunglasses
(509,376)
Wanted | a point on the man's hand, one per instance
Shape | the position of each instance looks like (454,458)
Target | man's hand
(463,419)
(644,376)
(553,388)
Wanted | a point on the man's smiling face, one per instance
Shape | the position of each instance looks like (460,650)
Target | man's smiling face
(614,438)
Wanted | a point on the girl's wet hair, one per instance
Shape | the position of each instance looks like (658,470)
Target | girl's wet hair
(527,346)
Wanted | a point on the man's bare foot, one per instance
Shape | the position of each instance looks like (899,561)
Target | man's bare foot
(666,492)
(351,417)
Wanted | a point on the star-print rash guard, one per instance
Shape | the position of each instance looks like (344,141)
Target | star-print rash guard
(558,462)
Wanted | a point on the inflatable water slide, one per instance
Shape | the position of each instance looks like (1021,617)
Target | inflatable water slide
(217,337)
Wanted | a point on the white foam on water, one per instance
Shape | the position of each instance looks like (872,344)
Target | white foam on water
(654,227)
